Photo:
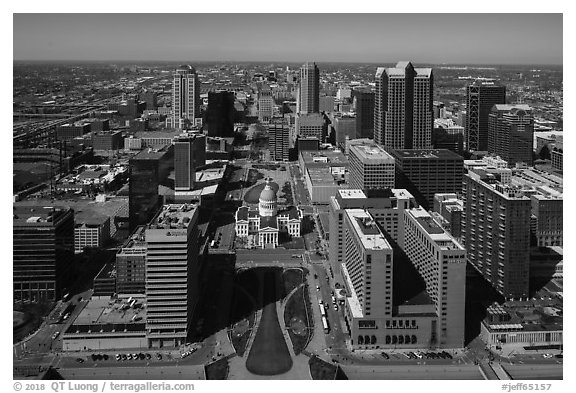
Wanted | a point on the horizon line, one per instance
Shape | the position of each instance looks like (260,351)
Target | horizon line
(273,61)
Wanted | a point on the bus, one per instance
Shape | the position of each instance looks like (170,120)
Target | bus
(322,310)
(325,324)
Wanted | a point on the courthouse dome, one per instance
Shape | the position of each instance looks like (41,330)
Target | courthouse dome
(268,194)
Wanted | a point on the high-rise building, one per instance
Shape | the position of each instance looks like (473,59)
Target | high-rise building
(43,250)
(371,167)
(427,172)
(496,231)
(450,208)
(309,91)
(344,127)
(131,264)
(148,170)
(150,97)
(481,96)
(326,104)
(441,261)
(185,97)
(511,133)
(265,104)
(172,268)
(278,132)
(189,153)
(386,206)
(403,112)
(448,135)
(363,103)
(220,113)
(311,126)
(404,276)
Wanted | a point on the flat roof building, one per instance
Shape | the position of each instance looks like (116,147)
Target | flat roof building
(496,231)
(43,249)
(427,172)
(371,167)
(481,96)
(172,269)
(131,264)
(511,133)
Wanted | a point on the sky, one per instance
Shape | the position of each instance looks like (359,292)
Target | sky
(386,38)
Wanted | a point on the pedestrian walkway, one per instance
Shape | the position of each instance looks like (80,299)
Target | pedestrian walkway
(499,371)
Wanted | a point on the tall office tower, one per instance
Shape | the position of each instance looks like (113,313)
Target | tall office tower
(189,153)
(363,103)
(403,112)
(404,276)
(172,268)
(547,213)
(344,127)
(367,273)
(481,96)
(448,135)
(148,170)
(220,113)
(450,208)
(150,97)
(511,133)
(326,104)
(309,90)
(265,104)
(185,97)
(386,206)
(441,261)
(278,131)
(311,126)
(131,264)
(371,167)
(496,231)
(43,239)
(427,172)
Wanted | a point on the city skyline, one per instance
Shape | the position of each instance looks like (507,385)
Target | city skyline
(464,38)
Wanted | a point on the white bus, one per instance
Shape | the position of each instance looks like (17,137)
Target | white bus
(322,310)
(325,325)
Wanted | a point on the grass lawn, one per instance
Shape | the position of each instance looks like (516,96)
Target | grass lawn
(269,353)
(253,177)
(217,370)
(253,194)
(298,316)
(319,369)
(292,278)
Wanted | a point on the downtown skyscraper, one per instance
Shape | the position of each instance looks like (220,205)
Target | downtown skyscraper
(403,112)
(481,96)
(185,97)
(309,90)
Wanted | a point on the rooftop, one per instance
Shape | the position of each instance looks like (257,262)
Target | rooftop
(371,152)
(351,194)
(109,315)
(174,216)
(367,230)
(434,230)
(150,154)
(427,153)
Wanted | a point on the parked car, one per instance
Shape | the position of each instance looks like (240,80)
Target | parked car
(158,356)
(385,355)
(148,356)
(118,357)
(547,356)
(80,360)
